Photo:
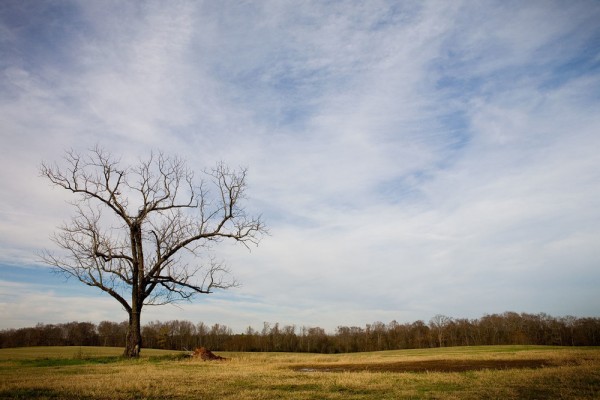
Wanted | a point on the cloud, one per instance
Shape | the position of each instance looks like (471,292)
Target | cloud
(411,159)
(24,304)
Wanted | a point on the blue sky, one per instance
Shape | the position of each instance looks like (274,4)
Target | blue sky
(410,158)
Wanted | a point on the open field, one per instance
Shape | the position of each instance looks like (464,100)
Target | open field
(494,372)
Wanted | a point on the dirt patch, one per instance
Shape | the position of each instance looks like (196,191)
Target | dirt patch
(426,366)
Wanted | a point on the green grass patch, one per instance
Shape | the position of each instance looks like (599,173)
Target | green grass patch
(20,353)
(59,362)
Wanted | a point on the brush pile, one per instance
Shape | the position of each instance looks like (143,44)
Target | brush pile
(206,355)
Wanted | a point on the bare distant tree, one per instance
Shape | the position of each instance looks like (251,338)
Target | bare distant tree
(142,233)
(438,324)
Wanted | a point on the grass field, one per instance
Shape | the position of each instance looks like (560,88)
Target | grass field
(494,372)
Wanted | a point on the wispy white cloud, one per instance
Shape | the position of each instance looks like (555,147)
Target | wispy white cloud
(410,158)
(25,304)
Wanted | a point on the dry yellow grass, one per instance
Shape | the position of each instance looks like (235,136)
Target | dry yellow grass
(96,373)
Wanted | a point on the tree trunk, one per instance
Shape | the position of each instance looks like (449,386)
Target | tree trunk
(133,342)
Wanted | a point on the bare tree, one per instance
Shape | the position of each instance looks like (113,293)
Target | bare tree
(142,233)
(438,324)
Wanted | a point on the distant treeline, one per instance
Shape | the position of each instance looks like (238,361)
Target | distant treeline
(496,329)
